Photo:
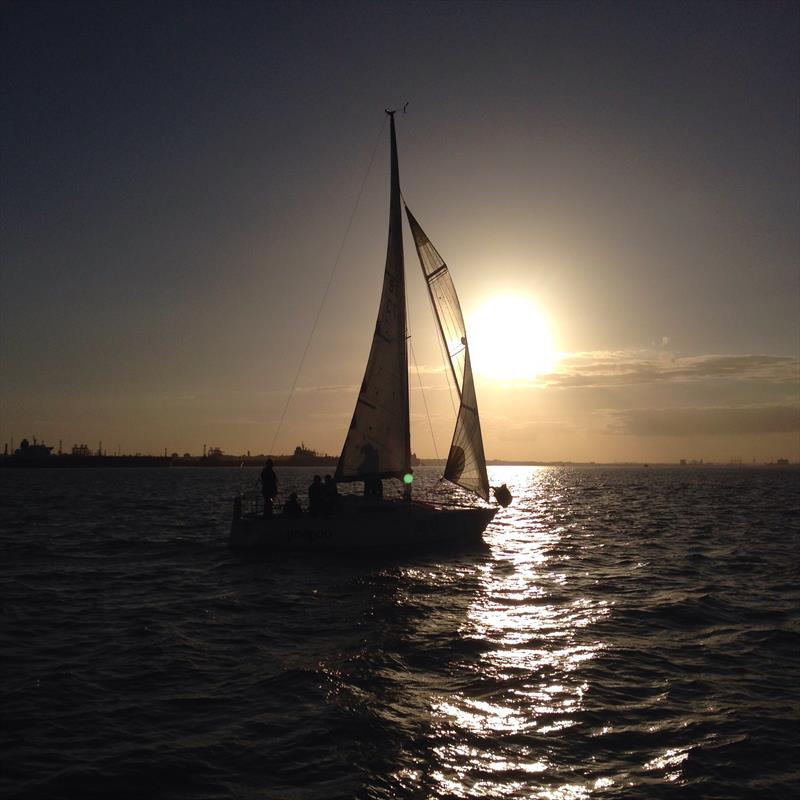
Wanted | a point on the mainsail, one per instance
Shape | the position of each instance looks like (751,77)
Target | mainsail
(378,443)
(466,462)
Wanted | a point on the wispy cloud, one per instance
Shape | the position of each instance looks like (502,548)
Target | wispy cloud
(510,427)
(233,421)
(425,369)
(327,389)
(706,421)
(335,416)
(622,368)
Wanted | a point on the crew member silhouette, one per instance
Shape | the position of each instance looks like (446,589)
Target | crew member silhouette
(331,495)
(291,508)
(269,486)
(373,486)
(316,497)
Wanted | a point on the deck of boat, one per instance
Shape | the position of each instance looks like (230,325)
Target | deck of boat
(362,525)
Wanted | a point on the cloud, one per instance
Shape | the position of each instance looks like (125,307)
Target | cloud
(426,370)
(706,421)
(510,428)
(337,416)
(233,421)
(329,389)
(624,368)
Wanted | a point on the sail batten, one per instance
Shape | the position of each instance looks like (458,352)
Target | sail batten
(378,443)
(466,461)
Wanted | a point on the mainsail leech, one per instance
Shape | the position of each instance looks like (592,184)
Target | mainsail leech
(466,462)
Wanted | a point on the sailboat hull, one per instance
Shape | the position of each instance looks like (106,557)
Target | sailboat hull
(364,527)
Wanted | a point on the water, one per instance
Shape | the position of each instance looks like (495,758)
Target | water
(625,633)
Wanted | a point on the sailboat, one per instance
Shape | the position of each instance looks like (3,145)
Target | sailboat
(378,443)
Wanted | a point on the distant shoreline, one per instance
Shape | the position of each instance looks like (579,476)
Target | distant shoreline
(234,462)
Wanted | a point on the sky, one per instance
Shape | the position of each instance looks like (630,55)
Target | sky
(177,180)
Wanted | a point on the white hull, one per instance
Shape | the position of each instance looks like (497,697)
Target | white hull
(364,527)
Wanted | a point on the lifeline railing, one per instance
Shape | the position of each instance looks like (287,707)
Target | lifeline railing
(252,502)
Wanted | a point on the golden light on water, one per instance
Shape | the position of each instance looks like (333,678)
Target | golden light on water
(537,700)
(668,761)
(538,646)
(510,340)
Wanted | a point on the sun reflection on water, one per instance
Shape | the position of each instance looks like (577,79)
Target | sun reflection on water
(669,758)
(537,632)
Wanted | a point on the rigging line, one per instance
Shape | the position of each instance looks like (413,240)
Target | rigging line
(328,286)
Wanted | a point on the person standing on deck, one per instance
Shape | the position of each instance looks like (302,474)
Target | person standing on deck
(331,495)
(316,497)
(373,487)
(269,486)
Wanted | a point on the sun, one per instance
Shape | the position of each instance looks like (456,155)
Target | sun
(509,340)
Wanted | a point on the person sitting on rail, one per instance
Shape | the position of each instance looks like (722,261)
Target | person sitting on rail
(292,508)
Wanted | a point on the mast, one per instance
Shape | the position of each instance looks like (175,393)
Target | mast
(396,240)
(378,443)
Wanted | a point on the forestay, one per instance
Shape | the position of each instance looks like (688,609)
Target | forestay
(466,462)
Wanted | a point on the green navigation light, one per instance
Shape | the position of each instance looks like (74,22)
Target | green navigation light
(408,478)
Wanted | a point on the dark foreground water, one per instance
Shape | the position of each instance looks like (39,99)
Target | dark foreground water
(627,633)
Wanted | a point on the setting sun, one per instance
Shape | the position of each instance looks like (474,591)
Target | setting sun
(510,339)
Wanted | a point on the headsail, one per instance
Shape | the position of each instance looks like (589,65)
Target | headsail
(378,443)
(466,462)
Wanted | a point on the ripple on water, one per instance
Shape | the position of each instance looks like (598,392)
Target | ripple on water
(626,633)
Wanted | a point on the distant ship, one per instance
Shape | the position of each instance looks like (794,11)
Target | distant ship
(305,457)
(30,452)
(39,454)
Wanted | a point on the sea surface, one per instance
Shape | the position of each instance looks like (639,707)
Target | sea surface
(625,633)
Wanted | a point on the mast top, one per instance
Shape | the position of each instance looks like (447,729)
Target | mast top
(392,111)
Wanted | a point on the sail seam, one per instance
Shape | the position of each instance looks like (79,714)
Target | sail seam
(435,274)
